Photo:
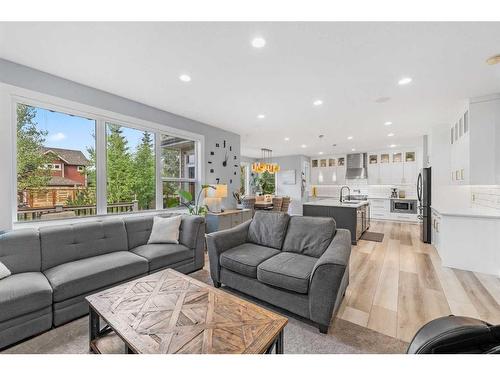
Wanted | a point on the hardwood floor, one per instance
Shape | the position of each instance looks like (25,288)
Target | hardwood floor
(399,284)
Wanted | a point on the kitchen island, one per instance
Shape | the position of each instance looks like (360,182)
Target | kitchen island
(352,215)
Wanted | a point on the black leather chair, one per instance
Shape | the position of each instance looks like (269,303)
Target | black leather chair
(456,335)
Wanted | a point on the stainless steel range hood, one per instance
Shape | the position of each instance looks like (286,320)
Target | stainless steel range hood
(356,166)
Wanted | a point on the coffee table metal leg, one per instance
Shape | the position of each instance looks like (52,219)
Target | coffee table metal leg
(280,342)
(93,326)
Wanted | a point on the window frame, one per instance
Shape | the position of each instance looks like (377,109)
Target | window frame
(101,116)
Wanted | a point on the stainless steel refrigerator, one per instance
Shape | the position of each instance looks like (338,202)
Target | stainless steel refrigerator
(424,204)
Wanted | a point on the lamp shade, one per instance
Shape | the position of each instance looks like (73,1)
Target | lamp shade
(220,191)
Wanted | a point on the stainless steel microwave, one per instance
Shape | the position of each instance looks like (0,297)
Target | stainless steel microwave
(404,206)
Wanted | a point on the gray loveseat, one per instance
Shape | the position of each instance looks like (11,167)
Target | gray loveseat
(55,267)
(297,263)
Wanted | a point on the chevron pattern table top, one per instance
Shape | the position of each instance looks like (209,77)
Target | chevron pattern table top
(169,312)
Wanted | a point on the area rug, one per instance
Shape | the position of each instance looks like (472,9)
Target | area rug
(372,236)
(301,337)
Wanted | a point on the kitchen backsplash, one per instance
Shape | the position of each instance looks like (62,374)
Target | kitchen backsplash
(362,187)
(485,196)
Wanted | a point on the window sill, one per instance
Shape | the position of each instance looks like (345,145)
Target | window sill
(83,219)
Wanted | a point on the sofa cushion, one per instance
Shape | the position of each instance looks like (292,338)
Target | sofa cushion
(268,228)
(23,293)
(163,255)
(245,258)
(139,229)
(289,271)
(20,250)
(86,275)
(309,235)
(67,243)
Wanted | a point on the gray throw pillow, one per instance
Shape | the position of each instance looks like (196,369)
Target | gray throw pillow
(268,228)
(4,271)
(309,235)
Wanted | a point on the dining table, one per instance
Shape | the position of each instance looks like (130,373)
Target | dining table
(263,205)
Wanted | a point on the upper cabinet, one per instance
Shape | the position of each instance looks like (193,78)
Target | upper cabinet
(475,143)
(328,171)
(384,168)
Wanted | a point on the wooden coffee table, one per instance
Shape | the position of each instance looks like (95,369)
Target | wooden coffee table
(169,312)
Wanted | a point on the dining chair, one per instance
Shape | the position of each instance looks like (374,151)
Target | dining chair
(277,203)
(285,204)
(249,203)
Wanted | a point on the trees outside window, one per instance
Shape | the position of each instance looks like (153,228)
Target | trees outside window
(57,166)
(130,169)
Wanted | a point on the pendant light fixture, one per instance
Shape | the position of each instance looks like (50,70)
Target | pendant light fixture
(266,163)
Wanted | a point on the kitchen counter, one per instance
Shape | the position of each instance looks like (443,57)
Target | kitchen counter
(336,203)
(352,216)
(474,212)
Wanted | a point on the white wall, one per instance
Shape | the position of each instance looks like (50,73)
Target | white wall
(30,80)
(294,162)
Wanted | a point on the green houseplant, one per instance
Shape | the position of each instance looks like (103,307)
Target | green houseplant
(194,206)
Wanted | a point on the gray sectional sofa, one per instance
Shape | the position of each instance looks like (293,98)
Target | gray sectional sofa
(297,263)
(55,267)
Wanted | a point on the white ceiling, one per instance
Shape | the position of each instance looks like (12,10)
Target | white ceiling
(347,65)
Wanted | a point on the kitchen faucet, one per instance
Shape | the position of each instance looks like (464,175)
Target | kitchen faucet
(342,189)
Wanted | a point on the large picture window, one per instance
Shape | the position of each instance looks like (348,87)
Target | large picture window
(130,169)
(178,168)
(55,164)
(70,166)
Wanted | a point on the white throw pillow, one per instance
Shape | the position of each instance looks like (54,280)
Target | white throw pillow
(4,271)
(165,229)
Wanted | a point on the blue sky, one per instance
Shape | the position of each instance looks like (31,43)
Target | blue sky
(73,132)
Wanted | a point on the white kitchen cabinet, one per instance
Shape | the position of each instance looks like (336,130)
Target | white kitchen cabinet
(380,208)
(435,228)
(385,173)
(314,176)
(475,143)
(374,174)
(397,173)
(410,172)
(341,175)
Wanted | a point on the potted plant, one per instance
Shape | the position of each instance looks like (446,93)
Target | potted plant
(239,198)
(194,206)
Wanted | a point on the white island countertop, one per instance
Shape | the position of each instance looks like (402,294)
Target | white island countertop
(336,203)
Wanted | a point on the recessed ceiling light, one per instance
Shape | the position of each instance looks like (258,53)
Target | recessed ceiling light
(320,153)
(258,42)
(392,146)
(390,135)
(387,123)
(405,81)
(353,149)
(318,102)
(287,138)
(185,78)
(350,137)
(261,116)
(303,146)
(493,60)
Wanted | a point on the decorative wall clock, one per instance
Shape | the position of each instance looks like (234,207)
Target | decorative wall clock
(223,157)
